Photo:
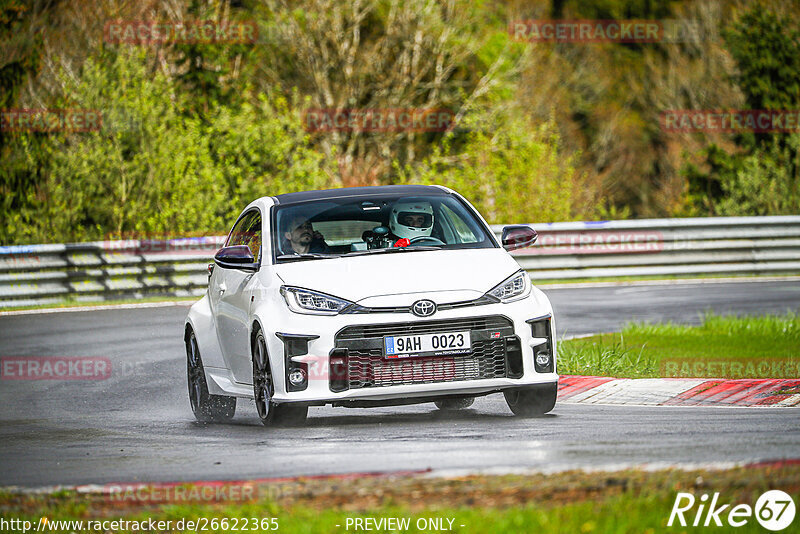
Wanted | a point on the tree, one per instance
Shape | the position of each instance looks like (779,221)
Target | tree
(20,59)
(358,54)
(510,173)
(761,175)
(154,168)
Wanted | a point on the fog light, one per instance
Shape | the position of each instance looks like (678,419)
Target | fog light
(543,358)
(297,377)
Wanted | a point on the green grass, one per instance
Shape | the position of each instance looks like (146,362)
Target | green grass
(721,347)
(629,501)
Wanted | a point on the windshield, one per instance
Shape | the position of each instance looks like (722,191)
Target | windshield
(328,228)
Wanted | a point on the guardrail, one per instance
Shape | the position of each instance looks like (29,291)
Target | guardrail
(664,247)
(108,270)
(105,270)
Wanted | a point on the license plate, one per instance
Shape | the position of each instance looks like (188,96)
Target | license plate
(441,344)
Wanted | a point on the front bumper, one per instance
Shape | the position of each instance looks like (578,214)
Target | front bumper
(321,334)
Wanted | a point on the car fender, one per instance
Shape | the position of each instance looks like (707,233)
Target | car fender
(274,345)
(201,321)
(544,304)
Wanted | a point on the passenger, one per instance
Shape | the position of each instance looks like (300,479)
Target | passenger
(300,238)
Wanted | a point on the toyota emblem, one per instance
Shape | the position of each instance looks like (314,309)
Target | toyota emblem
(423,308)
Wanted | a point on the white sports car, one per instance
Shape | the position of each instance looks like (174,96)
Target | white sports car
(368,296)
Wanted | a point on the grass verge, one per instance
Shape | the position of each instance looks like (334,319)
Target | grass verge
(631,501)
(720,347)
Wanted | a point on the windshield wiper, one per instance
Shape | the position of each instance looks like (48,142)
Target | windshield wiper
(393,249)
(305,256)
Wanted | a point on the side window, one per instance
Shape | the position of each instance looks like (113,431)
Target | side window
(465,235)
(247,232)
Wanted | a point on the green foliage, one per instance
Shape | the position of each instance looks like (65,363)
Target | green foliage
(547,132)
(762,176)
(148,170)
(20,191)
(20,58)
(20,51)
(153,169)
(642,350)
(767,52)
(764,182)
(509,173)
(261,149)
(205,70)
(605,358)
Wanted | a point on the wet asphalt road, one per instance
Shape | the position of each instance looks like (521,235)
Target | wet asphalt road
(137,424)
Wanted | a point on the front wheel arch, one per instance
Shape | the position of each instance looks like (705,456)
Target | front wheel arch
(274,414)
(255,328)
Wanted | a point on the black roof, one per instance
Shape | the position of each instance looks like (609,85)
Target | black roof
(345,192)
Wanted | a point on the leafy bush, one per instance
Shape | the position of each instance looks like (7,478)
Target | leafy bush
(195,131)
(764,183)
(155,169)
(760,174)
(513,172)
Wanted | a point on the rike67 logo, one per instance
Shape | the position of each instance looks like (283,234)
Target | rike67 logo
(774,510)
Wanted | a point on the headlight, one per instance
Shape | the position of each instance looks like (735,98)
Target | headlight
(515,287)
(311,302)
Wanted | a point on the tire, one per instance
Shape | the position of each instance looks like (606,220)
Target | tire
(454,404)
(530,402)
(269,412)
(206,407)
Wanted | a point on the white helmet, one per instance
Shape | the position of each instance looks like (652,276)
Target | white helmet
(411,219)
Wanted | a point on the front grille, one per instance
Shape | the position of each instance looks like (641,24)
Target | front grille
(423,327)
(367,368)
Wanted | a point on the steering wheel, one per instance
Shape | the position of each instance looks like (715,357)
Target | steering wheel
(433,240)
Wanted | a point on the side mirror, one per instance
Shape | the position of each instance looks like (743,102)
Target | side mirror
(518,236)
(236,257)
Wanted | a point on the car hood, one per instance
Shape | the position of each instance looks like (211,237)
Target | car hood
(380,279)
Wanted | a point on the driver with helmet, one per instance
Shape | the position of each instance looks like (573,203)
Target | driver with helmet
(410,219)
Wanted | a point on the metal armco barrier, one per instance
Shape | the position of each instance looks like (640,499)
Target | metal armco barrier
(43,274)
(664,248)
(105,270)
